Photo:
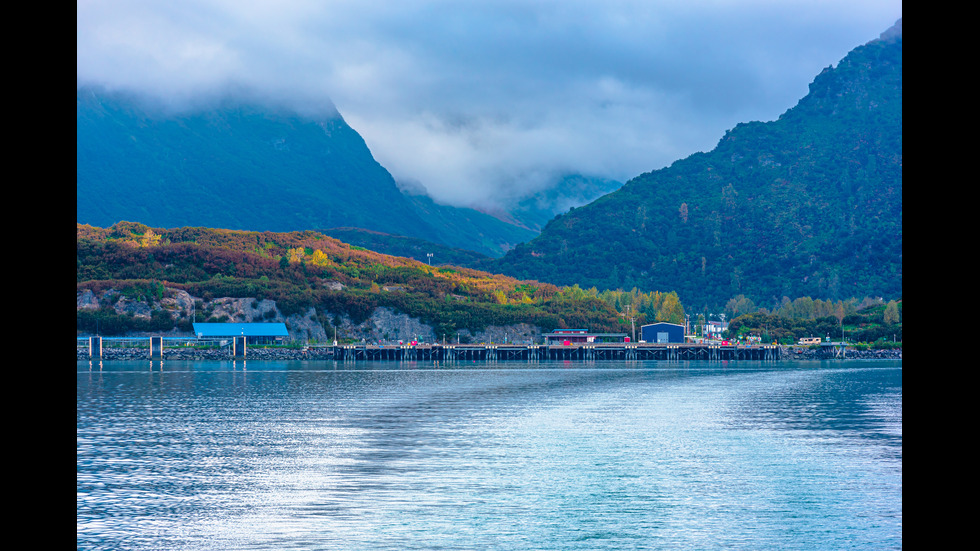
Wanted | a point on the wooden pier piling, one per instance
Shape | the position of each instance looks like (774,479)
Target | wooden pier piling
(95,347)
(538,352)
(156,348)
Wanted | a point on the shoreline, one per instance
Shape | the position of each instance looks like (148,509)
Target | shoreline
(788,354)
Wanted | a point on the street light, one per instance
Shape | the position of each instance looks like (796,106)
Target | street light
(632,318)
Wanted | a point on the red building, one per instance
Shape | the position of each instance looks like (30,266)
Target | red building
(578,336)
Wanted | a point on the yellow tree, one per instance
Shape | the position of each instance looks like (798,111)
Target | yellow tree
(149,239)
(671,310)
(319,258)
(296,255)
(891,313)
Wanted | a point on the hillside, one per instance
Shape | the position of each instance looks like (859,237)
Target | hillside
(131,277)
(239,165)
(408,247)
(806,205)
(573,190)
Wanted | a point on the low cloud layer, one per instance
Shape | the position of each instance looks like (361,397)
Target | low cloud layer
(483,102)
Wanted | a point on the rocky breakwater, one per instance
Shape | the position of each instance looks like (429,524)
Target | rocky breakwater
(807,353)
(212,354)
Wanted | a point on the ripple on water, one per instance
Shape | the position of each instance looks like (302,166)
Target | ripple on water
(684,456)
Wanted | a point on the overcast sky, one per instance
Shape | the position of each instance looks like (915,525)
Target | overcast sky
(486,100)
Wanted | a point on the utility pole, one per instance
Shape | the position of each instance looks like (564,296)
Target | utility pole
(632,318)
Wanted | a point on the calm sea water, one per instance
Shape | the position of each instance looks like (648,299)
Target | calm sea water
(502,456)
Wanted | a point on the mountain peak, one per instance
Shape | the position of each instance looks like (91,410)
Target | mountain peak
(808,205)
(894,32)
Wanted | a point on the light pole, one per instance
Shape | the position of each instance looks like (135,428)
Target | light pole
(429,259)
(632,319)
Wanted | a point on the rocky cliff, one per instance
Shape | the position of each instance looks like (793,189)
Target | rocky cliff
(384,324)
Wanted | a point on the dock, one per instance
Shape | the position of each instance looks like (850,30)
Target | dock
(158,348)
(540,352)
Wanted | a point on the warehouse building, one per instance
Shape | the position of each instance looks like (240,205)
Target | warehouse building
(662,333)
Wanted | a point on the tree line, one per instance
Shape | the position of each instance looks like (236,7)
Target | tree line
(870,320)
(303,270)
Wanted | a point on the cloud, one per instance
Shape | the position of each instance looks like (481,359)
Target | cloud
(487,100)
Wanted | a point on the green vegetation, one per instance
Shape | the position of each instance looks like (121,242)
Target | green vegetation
(303,270)
(807,205)
(871,322)
(409,247)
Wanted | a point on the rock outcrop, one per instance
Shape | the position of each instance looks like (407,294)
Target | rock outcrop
(384,325)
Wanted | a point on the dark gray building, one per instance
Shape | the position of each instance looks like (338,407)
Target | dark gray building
(662,333)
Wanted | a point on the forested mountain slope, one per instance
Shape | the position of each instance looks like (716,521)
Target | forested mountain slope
(806,205)
(247,166)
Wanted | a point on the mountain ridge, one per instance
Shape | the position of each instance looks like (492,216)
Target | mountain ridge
(806,205)
(237,165)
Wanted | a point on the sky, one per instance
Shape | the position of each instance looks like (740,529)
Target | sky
(483,102)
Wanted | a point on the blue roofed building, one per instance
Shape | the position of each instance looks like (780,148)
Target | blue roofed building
(662,333)
(254,333)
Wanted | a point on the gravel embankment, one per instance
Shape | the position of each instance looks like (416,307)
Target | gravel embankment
(790,353)
(198,354)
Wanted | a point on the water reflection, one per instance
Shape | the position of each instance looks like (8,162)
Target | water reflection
(321,455)
(845,402)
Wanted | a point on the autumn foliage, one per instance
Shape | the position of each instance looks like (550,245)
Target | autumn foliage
(303,270)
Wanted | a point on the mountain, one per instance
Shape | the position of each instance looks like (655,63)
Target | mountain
(571,191)
(809,204)
(241,165)
(408,247)
(467,228)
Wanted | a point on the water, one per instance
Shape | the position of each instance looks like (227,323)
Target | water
(505,456)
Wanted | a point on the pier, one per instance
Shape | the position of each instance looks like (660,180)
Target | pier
(538,352)
(157,348)
(190,348)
